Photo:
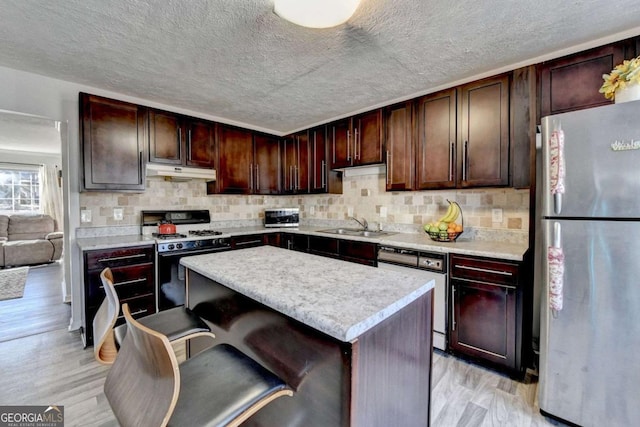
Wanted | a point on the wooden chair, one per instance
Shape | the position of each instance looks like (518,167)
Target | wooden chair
(178,324)
(220,386)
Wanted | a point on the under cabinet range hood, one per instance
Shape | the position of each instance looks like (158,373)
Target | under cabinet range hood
(180,173)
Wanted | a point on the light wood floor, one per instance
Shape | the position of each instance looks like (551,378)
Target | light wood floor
(44,364)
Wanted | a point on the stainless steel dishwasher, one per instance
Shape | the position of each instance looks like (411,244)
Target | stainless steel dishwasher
(432,266)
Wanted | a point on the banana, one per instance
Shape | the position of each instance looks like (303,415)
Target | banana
(453,211)
(449,212)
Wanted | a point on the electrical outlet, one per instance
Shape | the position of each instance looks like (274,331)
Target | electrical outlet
(350,211)
(118,214)
(85,215)
(496,215)
(383,211)
(312,210)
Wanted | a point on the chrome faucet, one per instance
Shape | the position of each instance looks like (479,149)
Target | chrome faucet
(364,223)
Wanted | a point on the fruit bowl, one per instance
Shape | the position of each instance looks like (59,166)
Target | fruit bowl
(446,229)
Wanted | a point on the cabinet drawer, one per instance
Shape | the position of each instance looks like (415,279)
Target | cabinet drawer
(100,259)
(249,241)
(140,307)
(484,270)
(129,281)
(364,250)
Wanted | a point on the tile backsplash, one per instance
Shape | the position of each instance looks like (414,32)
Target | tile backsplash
(363,196)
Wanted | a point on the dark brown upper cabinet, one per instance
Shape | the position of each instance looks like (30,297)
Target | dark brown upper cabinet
(321,178)
(356,141)
(436,143)
(235,160)
(295,162)
(180,140)
(113,138)
(248,163)
(572,82)
(266,162)
(398,136)
(483,144)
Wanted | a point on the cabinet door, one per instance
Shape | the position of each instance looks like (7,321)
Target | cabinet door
(318,161)
(572,82)
(165,138)
(398,125)
(367,138)
(339,133)
(235,160)
(200,137)
(266,165)
(289,154)
(113,144)
(483,146)
(483,320)
(302,162)
(325,246)
(436,153)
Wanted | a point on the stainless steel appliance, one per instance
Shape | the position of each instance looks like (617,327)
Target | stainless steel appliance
(193,237)
(432,266)
(590,302)
(282,217)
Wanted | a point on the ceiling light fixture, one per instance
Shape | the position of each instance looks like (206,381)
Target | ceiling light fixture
(316,13)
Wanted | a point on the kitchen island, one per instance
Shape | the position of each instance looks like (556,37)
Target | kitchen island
(354,342)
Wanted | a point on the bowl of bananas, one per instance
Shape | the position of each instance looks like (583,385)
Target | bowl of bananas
(447,228)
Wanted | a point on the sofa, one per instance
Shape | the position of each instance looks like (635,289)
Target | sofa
(28,240)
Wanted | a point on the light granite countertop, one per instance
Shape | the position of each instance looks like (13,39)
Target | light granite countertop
(111,242)
(422,242)
(339,298)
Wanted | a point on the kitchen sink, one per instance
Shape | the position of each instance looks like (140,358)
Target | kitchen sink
(356,232)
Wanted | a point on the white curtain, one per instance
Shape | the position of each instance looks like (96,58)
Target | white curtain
(51,193)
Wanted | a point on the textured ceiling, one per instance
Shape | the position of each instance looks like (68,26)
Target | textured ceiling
(237,61)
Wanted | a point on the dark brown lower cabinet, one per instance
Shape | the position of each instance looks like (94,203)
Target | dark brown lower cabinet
(346,250)
(485,316)
(133,271)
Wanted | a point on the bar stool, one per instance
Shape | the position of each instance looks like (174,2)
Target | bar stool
(220,386)
(178,324)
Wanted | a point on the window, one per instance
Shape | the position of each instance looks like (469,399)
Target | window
(19,189)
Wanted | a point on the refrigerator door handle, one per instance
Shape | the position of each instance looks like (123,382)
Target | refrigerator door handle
(557,167)
(555,261)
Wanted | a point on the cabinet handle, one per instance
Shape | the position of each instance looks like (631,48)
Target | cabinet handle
(249,242)
(120,258)
(465,161)
(127,282)
(189,144)
(141,172)
(135,313)
(453,307)
(289,245)
(179,142)
(251,176)
(348,145)
(387,166)
(452,147)
(290,177)
(484,270)
(356,144)
(323,178)
(297,176)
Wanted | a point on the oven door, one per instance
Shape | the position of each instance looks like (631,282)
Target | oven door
(170,277)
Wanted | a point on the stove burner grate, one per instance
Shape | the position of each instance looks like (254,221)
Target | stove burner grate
(204,233)
(166,236)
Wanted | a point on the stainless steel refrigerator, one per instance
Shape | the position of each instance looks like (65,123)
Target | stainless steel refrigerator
(590,269)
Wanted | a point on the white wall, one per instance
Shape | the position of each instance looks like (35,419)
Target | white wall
(29,93)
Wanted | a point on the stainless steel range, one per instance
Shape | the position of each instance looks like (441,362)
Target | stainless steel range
(192,237)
